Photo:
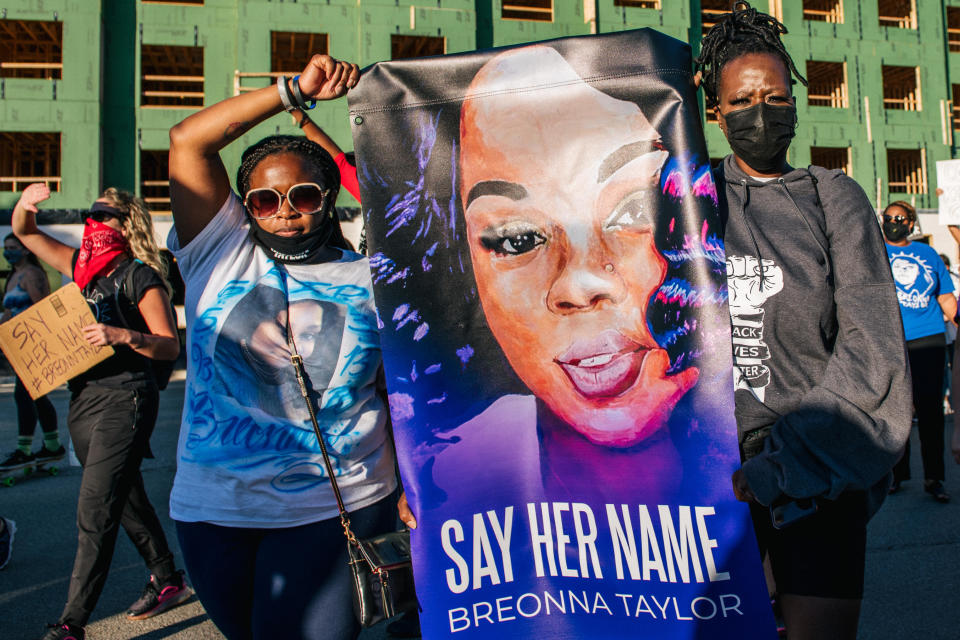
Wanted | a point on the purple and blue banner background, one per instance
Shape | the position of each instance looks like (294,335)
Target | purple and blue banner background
(549,272)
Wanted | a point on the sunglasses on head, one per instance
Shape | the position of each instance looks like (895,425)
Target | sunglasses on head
(306,198)
(896,219)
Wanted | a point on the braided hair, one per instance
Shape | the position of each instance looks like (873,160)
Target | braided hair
(742,31)
(325,171)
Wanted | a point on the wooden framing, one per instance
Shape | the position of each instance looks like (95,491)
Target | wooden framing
(172,76)
(637,4)
(27,157)
(901,88)
(823,11)
(155,179)
(901,14)
(953,29)
(31,49)
(955,105)
(833,158)
(416,46)
(710,10)
(907,170)
(290,49)
(827,84)
(539,10)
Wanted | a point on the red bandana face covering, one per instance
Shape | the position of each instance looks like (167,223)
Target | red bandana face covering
(100,245)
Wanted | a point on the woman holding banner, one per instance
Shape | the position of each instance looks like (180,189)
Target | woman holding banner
(113,406)
(26,285)
(264,266)
(822,392)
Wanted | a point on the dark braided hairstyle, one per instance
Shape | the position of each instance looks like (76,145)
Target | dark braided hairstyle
(327,173)
(325,170)
(744,30)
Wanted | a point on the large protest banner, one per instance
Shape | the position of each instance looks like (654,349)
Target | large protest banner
(44,344)
(550,280)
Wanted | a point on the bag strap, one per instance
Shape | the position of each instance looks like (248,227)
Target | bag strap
(301,374)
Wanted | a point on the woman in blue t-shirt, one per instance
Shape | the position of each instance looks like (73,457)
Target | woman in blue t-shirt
(925,293)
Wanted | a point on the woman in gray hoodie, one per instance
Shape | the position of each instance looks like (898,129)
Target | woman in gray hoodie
(823,398)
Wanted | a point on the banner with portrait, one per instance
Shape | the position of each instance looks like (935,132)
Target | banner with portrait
(550,281)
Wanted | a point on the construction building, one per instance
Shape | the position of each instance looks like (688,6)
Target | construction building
(90,88)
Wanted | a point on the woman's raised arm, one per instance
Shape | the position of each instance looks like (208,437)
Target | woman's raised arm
(24,224)
(199,184)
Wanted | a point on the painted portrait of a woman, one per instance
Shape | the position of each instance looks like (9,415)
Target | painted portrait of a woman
(554,224)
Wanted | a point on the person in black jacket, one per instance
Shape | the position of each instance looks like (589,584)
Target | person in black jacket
(823,397)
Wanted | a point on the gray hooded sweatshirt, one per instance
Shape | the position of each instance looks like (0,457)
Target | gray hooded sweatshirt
(823,396)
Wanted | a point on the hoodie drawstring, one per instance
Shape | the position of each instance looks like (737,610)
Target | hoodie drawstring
(746,222)
(823,249)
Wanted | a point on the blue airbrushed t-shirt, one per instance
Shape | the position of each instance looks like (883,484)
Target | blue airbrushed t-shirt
(920,276)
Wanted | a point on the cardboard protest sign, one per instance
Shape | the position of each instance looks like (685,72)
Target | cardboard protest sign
(948,180)
(549,274)
(44,344)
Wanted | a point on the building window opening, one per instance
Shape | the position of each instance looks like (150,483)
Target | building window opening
(832,158)
(288,49)
(155,179)
(402,47)
(953,29)
(540,10)
(172,76)
(955,105)
(906,171)
(31,49)
(710,11)
(27,157)
(898,13)
(823,11)
(637,4)
(827,84)
(901,88)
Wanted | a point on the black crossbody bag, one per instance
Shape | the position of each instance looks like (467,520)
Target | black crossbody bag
(380,566)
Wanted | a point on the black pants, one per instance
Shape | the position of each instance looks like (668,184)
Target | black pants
(111,430)
(29,410)
(292,582)
(926,370)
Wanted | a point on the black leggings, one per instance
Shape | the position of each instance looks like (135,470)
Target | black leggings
(29,410)
(111,430)
(926,371)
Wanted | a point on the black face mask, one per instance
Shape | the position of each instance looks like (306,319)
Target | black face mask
(895,232)
(760,135)
(309,248)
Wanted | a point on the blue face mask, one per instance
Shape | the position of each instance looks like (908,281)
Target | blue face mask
(13,256)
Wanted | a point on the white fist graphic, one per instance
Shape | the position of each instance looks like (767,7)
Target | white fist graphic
(747,291)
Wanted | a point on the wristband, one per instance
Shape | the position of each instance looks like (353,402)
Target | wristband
(298,95)
(284,90)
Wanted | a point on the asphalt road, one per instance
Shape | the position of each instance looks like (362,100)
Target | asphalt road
(912,583)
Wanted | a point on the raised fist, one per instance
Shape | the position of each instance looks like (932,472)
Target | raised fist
(747,289)
(325,78)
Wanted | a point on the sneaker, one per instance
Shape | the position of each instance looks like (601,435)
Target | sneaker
(6,541)
(935,488)
(63,631)
(157,598)
(17,460)
(45,455)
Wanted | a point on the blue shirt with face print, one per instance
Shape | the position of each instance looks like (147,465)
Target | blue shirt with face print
(921,277)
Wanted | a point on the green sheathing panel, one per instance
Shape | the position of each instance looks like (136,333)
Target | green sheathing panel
(70,106)
(568,20)
(118,109)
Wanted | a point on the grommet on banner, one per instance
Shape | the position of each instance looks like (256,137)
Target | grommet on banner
(608,267)
(358,120)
